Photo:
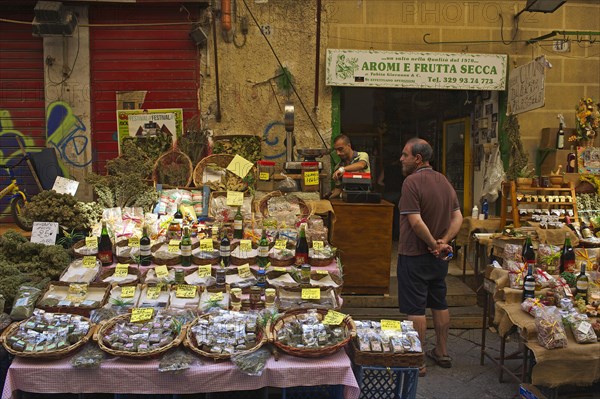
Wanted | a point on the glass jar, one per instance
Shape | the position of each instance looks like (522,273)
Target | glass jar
(255,297)
(266,169)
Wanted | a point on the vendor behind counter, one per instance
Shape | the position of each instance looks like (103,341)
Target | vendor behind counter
(351,161)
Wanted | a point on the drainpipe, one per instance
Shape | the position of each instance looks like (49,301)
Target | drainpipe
(214,29)
(317,56)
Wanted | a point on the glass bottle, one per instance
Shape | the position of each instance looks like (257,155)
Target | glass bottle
(238,224)
(586,232)
(582,283)
(571,162)
(263,250)
(528,253)
(261,279)
(567,257)
(225,249)
(186,247)
(105,253)
(145,252)
(529,283)
(560,137)
(302,247)
(485,208)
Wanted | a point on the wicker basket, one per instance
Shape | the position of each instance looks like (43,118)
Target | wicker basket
(205,261)
(163,261)
(78,310)
(212,212)
(121,258)
(336,279)
(330,298)
(55,354)
(221,160)
(177,156)
(109,324)
(78,245)
(347,324)
(263,208)
(242,261)
(132,269)
(384,359)
(190,342)
(318,262)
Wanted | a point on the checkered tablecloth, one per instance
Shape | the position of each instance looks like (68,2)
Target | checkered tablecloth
(118,375)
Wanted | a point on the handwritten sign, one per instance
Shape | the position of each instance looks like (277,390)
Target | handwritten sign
(318,245)
(245,245)
(333,318)
(390,324)
(91,242)
(217,296)
(311,293)
(324,272)
(89,262)
(121,270)
(311,178)
(185,291)
(263,176)
(161,271)
(235,198)
(240,166)
(173,246)
(44,233)
(281,243)
(65,186)
(133,242)
(244,271)
(127,292)
(280,269)
(141,314)
(204,271)
(153,292)
(526,89)
(206,245)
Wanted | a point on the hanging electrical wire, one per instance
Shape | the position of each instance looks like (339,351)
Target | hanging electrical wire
(67,76)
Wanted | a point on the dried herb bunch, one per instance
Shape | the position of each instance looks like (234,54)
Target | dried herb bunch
(125,183)
(173,168)
(194,141)
(518,155)
(248,147)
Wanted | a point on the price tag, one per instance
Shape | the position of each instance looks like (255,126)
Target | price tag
(44,233)
(134,242)
(324,272)
(390,324)
(244,271)
(80,289)
(206,245)
(311,178)
(311,293)
(281,243)
(240,166)
(217,296)
(161,271)
(245,245)
(235,198)
(141,314)
(263,176)
(91,242)
(89,262)
(128,291)
(153,292)
(318,245)
(65,186)
(174,246)
(333,318)
(121,270)
(204,271)
(280,269)
(185,291)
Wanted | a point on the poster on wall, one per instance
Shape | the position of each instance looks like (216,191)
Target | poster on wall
(149,122)
(526,89)
(422,70)
(588,160)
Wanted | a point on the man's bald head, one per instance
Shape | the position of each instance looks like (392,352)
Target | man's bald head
(420,147)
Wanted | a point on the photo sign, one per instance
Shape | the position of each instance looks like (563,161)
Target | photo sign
(526,90)
(141,123)
(44,233)
(425,70)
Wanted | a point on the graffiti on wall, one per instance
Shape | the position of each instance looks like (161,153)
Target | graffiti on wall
(66,132)
(275,147)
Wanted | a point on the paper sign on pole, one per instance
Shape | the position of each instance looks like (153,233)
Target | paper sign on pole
(65,186)
(44,233)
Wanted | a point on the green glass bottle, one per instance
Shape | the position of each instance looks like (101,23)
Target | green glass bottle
(263,250)
(238,224)
(186,247)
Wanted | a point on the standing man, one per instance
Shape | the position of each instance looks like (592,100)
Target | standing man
(429,218)
(351,161)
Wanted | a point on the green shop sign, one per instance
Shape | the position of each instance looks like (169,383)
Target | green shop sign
(371,68)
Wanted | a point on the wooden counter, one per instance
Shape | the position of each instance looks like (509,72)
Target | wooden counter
(363,235)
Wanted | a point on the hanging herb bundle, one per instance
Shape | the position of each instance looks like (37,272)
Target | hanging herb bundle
(173,168)
(194,141)
(518,155)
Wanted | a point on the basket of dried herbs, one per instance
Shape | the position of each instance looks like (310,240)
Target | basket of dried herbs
(173,169)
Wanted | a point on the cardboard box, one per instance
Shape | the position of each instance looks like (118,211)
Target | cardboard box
(529,391)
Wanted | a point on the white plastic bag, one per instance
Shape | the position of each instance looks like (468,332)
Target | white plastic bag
(493,177)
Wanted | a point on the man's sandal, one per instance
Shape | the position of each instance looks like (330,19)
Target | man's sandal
(442,361)
(423,370)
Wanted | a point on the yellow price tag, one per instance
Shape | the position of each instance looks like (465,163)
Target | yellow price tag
(134,242)
(204,271)
(153,292)
(141,314)
(244,271)
(217,296)
(390,324)
(121,270)
(128,291)
(174,246)
(89,262)
(206,245)
(235,198)
(318,245)
(91,242)
(245,245)
(333,318)
(80,289)
(263,176)
(280,269)
(324,272)
(161,271)
(185,291)
(281,243)
(311,178)
(311,293)
(240,166)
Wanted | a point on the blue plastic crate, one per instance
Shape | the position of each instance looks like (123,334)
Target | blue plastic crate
(314,392)
(387,382)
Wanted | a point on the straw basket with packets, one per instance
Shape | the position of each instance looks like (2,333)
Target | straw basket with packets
(222,172)
(119,336)
(75,298)
(85,247)
(64,334)
(311,333)
(219,336)
(122,273)
(277,205)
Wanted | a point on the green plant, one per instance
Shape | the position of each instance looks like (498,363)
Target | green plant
(526,172)
(69,238)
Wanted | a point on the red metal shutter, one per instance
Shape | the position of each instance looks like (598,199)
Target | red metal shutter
(160,59)
(22,106)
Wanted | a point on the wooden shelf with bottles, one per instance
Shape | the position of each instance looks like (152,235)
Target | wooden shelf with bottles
(510,191)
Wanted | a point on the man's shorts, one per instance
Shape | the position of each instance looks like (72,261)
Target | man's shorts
(421,284)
